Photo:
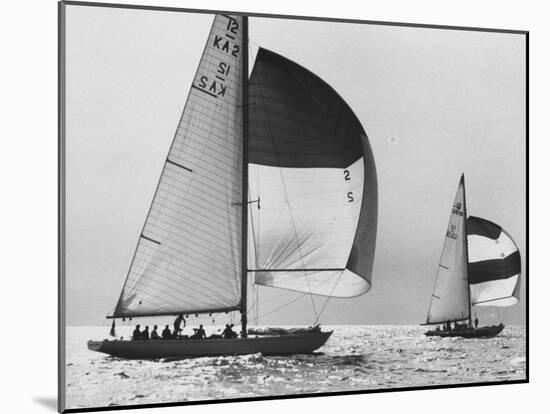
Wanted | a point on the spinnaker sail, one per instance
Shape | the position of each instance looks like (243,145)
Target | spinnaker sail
(494,264)
(312,184)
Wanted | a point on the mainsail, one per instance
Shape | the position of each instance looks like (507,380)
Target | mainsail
(450,298)
(312,184)
(188,257)
(494,264)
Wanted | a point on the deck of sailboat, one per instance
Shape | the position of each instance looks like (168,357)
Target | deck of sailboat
(296,343)
(481,332)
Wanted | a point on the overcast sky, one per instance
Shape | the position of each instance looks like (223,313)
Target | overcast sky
(434,103)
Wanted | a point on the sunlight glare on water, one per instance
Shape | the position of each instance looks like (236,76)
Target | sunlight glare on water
(354,358)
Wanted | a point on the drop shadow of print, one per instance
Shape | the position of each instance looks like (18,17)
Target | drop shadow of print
(48,402)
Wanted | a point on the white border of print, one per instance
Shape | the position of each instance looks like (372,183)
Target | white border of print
(29,184)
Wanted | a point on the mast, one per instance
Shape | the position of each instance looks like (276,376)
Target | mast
(244,231)
(467,256)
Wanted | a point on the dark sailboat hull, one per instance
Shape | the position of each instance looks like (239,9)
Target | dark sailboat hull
(302,343)
(482,332)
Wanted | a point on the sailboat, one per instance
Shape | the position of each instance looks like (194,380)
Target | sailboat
(480,266)
(270,178)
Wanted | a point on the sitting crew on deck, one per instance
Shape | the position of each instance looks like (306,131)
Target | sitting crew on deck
(136,334)
(166,334)
(228,332)
(145,333)
(177,325)
(199,333)
(155,334)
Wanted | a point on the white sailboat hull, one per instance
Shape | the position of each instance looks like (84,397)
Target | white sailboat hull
(302,343)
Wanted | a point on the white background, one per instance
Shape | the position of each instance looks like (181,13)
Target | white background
(28,178)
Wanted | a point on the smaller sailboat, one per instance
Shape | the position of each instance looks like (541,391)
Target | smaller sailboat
(480,266)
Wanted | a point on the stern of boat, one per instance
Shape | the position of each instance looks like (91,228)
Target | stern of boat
(95,345)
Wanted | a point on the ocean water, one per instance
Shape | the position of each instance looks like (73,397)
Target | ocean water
(354,358)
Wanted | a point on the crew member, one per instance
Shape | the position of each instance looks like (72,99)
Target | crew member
(166,334)
(145,333)
(177,325)
(155,334)
(136,334)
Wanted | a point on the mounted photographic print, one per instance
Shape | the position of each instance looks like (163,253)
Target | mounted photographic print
(257,206)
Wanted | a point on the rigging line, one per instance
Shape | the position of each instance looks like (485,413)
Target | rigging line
(301,293)
(284,305)
(254,241)
(107,322)
(255,304)
(286,197)
(252,305)
(328,298)
(257,290)
(503,315)
(285,293)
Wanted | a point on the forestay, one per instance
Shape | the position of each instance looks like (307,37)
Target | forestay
(312,184)
(494,264)
(450,301)
(188,256)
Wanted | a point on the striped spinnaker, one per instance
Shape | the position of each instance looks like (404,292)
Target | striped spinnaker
(494,264)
